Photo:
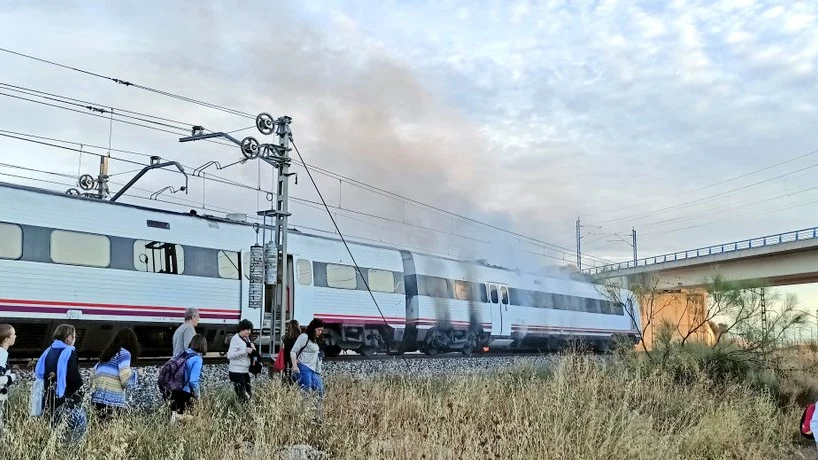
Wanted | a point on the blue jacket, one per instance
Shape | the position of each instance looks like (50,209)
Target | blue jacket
(193,370)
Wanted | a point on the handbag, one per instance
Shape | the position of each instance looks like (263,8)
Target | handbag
(36,399)
(278,365)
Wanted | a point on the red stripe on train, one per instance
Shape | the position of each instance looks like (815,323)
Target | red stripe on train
(106,305)
(113,312)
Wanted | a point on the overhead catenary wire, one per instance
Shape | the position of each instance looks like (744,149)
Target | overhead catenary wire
(699,200)
(715,184)
(131,84)
(6,133)
(248,115)
(383,192)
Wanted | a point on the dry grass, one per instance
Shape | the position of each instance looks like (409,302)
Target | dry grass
(578,409)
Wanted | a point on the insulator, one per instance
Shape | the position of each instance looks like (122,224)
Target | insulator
(256,276)
(270,263)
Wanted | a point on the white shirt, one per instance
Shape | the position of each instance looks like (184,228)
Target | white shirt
(237,354)
(306,352)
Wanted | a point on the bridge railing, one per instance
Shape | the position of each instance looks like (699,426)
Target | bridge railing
(762,241)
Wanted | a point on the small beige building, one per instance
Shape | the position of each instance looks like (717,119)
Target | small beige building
(684,309)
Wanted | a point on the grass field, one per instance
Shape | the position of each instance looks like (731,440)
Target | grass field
(577,409)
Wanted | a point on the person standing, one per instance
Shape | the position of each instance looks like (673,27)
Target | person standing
(113,374)
(293,331)
(238,354)
(306,364)
(59,369)
(184,333)
(181,399)
(7,377)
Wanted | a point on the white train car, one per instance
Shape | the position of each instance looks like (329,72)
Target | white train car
(329,286)
(457,305)
(103,266)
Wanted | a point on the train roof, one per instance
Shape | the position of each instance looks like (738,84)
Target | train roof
(210,217)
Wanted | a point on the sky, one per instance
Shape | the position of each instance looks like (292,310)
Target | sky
(689,121)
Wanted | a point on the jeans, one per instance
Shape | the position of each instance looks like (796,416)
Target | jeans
(310,381)
(311,385)
(241,383)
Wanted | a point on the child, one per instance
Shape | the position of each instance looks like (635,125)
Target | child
(58,367)
(182,399)
(7,338)
(113,374)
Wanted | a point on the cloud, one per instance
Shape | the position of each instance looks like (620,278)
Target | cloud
(526,116)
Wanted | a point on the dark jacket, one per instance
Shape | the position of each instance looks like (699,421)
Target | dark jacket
(73,381)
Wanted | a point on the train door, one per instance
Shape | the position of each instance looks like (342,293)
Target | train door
(504,314)
(498,298)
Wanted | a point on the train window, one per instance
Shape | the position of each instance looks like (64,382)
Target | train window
(606,307)
(558,302)
(303,270)
(504,294)
(80,249)
(11,241)
(619,308)
(493,294)
(437,287)
(158,257)
(545,300)
(381,280)
(462,290)
(229,265)
(591,305)
(481,288)
(575,303)
(245,264)
(341,277)
(519,297)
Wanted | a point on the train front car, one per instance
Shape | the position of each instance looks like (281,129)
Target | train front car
(329,287)
(462,306)
(103,266)
(550,313)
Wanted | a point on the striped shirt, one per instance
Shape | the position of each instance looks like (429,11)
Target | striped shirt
(111,378)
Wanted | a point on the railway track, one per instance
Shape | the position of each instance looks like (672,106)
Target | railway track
(216,359)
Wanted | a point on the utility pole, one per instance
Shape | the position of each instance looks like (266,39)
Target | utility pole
(268,264)
(579,246)
(102,178)
(763,313)
(635,258)
(579,242)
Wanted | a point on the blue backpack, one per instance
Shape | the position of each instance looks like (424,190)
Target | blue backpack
(172,374)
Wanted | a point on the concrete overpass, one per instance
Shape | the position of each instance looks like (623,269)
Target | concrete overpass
(775,260)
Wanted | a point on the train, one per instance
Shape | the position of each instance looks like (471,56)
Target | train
(103,266)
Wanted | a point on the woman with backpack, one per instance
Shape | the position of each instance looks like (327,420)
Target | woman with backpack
(113,374)
(239,353)
(305,359)
(182,398)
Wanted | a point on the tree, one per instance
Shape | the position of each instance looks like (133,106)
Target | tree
(735,314)
(642,302)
